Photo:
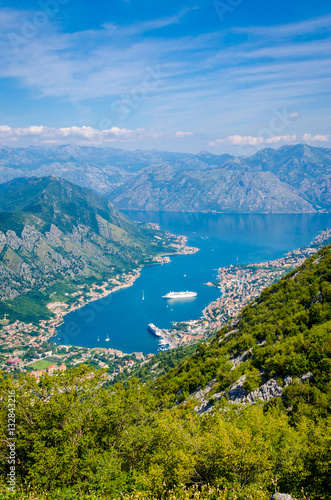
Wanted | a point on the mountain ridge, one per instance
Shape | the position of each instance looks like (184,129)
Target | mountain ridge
(291,179)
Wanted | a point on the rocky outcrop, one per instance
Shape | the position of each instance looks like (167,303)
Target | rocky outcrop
(281,496)
(264,393)
(238,395)
(202,396)
(236,361)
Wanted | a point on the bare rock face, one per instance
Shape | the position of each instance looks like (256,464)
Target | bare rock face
(202,395)
(281,496)
(13,240)
(237,392)
(30,237)
(236,361)
(267,391)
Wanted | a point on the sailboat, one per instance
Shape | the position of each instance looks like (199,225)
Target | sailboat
(143,298)
(107,339)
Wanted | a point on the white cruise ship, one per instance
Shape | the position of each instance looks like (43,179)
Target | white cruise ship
(154,329)
(179,295)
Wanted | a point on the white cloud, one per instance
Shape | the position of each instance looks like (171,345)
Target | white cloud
(238,140)
(33,130)
(4,129)
(248,140)
(183,134)
(315,138)
(281,138)
(144,27)
(318,25)
(201,78)
(89,135)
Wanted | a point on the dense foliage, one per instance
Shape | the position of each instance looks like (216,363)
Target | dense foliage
(158,365)
(79,439)
(74,434)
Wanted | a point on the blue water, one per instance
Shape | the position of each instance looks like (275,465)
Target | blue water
(223,239)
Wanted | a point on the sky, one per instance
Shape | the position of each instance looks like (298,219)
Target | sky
(229,76)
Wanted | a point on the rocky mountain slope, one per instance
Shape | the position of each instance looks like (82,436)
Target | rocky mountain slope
(290,179)
(101,169)
(221,189)
(53,232)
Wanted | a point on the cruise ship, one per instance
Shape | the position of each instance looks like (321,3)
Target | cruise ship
(154,330)
(179,295)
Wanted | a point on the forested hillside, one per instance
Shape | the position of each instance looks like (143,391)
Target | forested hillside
(246,415)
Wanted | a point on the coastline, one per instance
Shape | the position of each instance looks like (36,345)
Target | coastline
(61,309)
(18,334)
(239,285)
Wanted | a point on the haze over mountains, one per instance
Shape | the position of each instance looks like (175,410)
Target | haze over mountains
(294,178)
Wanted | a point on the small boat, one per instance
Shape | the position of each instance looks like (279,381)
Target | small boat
(107,339)
(98,339)
(143,298)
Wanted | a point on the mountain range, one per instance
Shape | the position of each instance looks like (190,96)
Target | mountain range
(55,236)
(293,178)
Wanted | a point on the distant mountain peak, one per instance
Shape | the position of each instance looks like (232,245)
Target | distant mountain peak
(204,152)
(292,178)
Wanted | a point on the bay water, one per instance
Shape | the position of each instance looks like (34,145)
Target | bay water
(223,239)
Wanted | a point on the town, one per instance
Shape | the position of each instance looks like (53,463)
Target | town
(240,284)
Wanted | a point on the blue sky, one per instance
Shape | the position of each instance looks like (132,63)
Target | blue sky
(226,75)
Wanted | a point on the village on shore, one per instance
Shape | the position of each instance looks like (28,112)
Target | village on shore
(28,348)
(239,285)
